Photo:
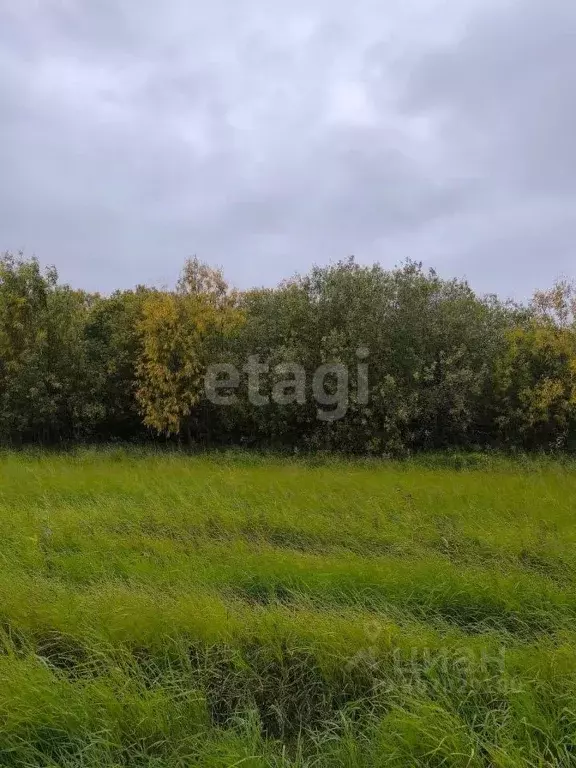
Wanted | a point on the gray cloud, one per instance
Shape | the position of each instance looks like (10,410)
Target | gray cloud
(503,102)
(264,139)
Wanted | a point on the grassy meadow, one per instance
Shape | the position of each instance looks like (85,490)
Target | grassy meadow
(235,610)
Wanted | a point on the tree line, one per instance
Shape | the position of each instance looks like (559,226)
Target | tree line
(444,367)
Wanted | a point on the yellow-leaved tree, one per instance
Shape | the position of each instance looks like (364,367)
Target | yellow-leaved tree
(536,378)
(182,332)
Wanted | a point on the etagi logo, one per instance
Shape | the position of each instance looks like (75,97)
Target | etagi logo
(330,388)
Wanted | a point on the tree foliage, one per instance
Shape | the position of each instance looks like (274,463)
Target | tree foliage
(429,363)
(180,334)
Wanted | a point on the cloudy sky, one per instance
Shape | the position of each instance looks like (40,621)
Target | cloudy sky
(266,135)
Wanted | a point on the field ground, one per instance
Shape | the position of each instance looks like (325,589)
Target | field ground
(162,610)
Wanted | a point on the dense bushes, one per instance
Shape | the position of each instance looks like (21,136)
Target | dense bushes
(428,364)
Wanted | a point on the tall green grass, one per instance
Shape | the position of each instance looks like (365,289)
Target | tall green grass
(166,610)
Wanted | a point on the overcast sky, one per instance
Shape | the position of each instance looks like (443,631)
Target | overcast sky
(266,135)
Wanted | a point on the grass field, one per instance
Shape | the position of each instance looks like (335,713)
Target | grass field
(164,610)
